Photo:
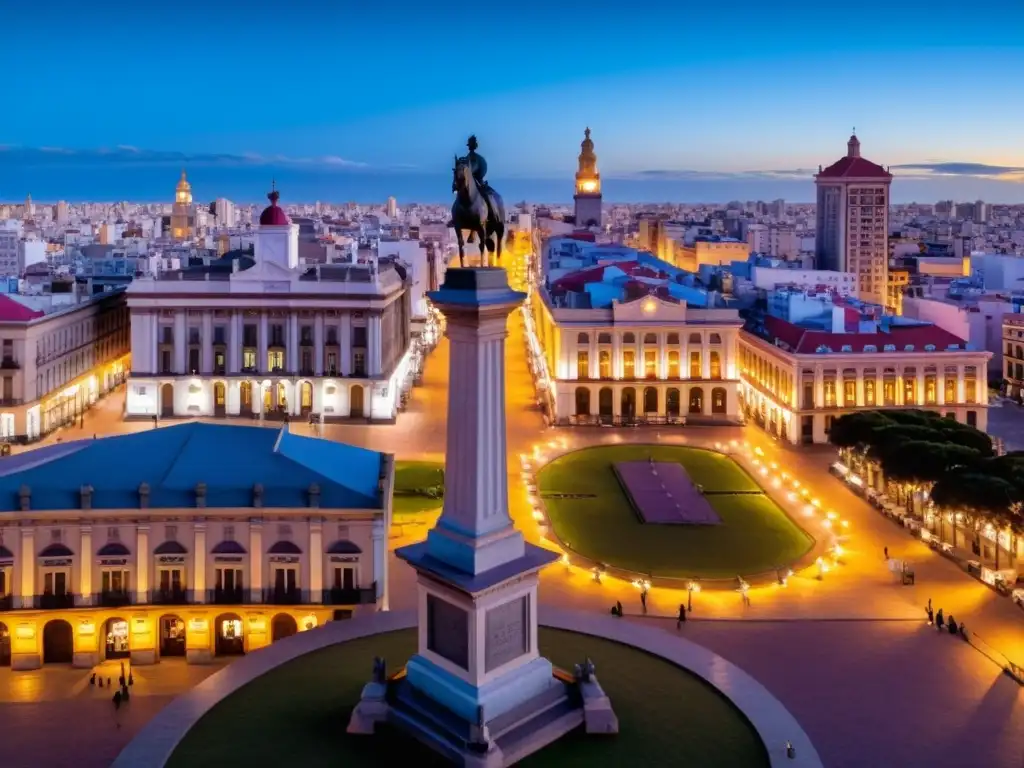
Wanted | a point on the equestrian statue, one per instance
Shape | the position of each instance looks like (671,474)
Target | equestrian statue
(477,209)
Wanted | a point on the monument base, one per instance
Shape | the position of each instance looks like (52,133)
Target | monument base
(497,697)
(563,705)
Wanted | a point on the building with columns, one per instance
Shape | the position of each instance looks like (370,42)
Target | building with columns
(193,540)
(588,186)
(60,351)
(625,343)
(796,380)
(262,336)
(1013,356)
(853,221)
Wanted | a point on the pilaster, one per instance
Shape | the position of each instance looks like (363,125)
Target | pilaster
(87,562)
(142,563)
(256,560)
(199,556)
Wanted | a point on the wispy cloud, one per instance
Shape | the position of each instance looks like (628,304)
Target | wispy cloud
(925,170)
(125,154)
(979,170)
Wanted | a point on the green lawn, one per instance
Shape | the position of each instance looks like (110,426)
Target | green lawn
(297,714)
(413,477)
(755,535)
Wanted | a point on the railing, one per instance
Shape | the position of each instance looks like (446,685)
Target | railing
(355,596)
(6,602)
(51,601)
(169,597)
(10,363)
(112,598)
(282,596)
(226,596)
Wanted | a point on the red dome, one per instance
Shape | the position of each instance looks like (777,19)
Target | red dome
(273,215)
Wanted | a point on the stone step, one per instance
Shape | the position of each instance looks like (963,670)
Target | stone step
(557,693)
(536,733)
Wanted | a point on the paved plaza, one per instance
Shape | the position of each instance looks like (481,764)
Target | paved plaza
(849,654)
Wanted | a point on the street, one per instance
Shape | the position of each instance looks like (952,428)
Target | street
(849,654)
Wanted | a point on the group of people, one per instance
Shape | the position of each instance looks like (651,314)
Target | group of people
(121,695)
(941,622)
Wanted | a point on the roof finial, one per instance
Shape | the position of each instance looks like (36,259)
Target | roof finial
(273,196)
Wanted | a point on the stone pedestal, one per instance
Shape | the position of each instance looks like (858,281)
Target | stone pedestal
(477,691)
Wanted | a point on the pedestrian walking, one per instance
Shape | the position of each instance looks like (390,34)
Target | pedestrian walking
(885,551)
(643,599)
(939,620)
(682,616)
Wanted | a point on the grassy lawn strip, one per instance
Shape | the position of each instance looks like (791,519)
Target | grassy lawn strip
(755,535)
(412,481)
(296,714)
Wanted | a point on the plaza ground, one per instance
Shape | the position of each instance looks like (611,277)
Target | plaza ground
(296,714)
(849,655)
(591,513)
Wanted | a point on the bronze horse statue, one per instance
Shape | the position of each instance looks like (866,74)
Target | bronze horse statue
(471,212)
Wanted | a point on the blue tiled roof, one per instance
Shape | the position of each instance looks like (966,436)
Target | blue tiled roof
(229,459)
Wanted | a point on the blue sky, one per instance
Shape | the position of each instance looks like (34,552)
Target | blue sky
(706,89)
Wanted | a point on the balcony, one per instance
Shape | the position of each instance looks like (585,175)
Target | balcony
(10,364)
(114,598)
(282,596)
(6,602)
(220,596)
(169,597)
(354,596)
(49,602)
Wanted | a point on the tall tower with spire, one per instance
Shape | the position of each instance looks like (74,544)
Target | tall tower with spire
(182,213)
(588,186)
(853,221)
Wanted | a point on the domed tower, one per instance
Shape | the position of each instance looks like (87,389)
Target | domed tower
(277,239)
(182,214)
(588,186)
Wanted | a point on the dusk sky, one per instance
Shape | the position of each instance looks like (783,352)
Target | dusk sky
(666,86)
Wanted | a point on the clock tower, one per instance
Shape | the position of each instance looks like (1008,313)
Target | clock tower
(588,186)
(182,214)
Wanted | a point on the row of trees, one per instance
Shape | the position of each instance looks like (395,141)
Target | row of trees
(922,451)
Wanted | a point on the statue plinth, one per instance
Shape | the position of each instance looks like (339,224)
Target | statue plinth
(478,691)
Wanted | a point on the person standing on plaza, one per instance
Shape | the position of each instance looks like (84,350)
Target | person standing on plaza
(682,616)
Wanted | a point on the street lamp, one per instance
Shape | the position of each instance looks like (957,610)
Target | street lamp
(691,587)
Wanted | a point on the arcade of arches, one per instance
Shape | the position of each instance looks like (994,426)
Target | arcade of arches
(145,635)
(655,403)
(273,398)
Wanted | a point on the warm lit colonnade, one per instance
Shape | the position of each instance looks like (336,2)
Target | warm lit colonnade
(796,396)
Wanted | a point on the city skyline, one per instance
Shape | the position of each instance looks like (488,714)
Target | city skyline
(720,109)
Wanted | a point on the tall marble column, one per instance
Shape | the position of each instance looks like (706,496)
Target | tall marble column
(142,561)
(263,332)
(199,556)
(318,345)
(206,363)
(256,560)
(88,561)
(475,570)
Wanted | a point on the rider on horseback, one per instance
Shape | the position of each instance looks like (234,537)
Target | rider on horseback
(478,167)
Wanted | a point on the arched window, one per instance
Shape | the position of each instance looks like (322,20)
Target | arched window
(628,403)
(672,402)
(695,338)
(650,400)
(697,400)
(650,338)
(673,364)
(715,339)
(583,338)
(673,338)
(718,400)
(604,401)
(604,338)
(628,338)
(582,401)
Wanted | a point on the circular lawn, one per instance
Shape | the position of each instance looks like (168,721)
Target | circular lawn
(297,713)
(419,487)
(592,515)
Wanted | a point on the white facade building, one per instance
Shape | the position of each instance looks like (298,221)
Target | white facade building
(266,338)
(642,361)
(770,278)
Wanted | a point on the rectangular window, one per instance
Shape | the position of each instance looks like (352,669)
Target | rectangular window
(629,364)
(249,359)
(583,365)
(695,366)
(650,364)
(275,360)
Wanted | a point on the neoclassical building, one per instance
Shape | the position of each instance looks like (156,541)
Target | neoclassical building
(61,352)
(796,380)
(192,540)
(263,336)
(649,359)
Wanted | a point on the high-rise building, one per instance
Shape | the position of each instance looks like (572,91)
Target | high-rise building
(853,221)
(61,214)
(182,215)
(588,186)
(392,208)
(224,210)
(980,214)
(30,209)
